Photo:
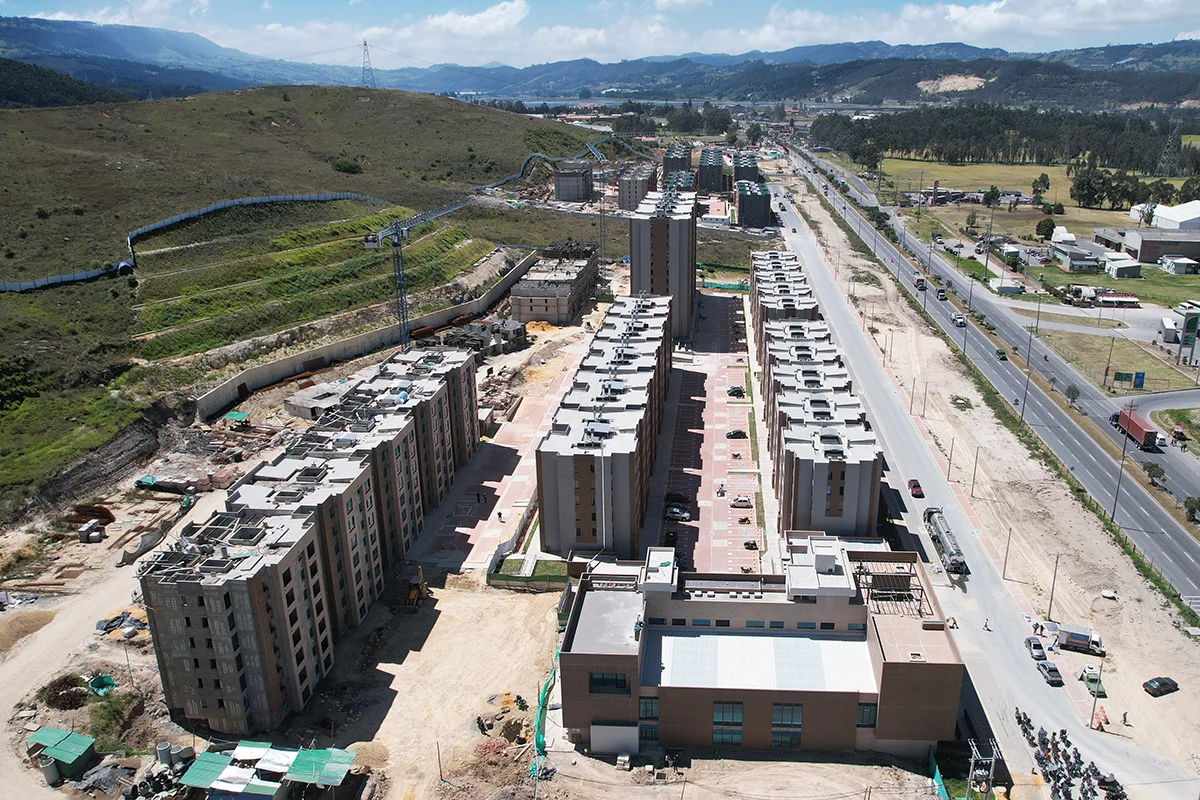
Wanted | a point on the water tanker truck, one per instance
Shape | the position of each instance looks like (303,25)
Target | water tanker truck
(944,541)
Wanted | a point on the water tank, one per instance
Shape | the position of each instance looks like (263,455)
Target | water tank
(163,753)
(176,753)
(49,770)
(187,752)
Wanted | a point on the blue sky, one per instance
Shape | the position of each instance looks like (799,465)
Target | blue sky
(521,32)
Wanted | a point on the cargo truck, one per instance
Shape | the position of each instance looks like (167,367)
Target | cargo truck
(918,281)
(1080,639)
(1144,435)
(944,541)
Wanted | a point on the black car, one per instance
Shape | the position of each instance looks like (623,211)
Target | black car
(1157,687)
(735,434)
(736,391)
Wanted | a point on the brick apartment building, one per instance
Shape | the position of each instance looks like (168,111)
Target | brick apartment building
(662,253)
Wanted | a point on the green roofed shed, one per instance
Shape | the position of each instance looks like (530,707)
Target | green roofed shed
(237,416)
(205,770)
(72,751)
(327,767)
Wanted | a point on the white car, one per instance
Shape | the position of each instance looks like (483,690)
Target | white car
(677,514)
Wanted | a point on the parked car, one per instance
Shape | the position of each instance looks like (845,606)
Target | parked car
(1157,687)
(741,501)
(959,321)
(677,497)
(1050,673)
(970,257)
(1034,645)
(677,514)
(736,433)
(736,391)
(914,488)
(750,544)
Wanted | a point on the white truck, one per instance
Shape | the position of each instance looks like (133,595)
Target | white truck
(1080,639)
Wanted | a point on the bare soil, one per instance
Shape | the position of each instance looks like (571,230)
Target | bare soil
(1013,491)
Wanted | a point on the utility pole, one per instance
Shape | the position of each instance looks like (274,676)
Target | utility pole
(987,248)
(1112,515)
(1111,345)
(973,468)
(1053,581)
(912,397)
(1096,695)
(950,461)
(1004,572)
(1029,359)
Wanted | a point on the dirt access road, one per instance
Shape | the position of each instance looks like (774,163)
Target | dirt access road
(1012,490)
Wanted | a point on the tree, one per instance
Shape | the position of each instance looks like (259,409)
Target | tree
(1154,471)
(1045,228)
(1192,504)
(585,93)
(972,218)
(754,133)
(1189,191)
(1089,188)
(778,113)
(1058,209)
(1072,393)
(1041,185)
(1147,215)
(731,137)
(1162,192)
(991,197)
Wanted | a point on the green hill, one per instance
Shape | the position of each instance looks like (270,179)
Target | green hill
(27,86)
(76,180)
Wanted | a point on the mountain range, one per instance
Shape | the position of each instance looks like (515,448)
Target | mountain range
(142,61)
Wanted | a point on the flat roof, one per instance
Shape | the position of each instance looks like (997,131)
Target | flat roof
(606,622)
(791,662)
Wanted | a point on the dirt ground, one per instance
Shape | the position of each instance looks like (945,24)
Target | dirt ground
(1140,628)
(420,680)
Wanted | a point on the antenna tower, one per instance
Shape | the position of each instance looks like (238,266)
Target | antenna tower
(1168,162)
(368,72)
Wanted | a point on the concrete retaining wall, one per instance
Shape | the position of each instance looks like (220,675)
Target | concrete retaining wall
(250,380)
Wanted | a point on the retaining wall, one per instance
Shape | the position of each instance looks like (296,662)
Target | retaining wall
(250,380)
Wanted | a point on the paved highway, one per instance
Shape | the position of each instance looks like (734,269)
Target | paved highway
(1000,669)
(1171,548)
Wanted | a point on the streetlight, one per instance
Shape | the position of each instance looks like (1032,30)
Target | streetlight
(1112,515)
(1053,581)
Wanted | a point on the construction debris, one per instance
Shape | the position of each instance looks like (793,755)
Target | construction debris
(122,620)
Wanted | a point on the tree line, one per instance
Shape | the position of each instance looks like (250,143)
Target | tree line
(994,134)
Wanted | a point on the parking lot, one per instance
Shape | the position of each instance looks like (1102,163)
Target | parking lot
(706,466)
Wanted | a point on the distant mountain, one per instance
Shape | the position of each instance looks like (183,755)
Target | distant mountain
(163,62)
(29,86)
(846,51)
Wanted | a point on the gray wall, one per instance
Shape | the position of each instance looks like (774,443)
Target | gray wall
(249,380)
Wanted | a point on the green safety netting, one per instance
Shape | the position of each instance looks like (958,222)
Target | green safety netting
(327,767)
(205,770)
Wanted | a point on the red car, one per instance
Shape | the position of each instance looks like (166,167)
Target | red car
(914,488)
(677,497)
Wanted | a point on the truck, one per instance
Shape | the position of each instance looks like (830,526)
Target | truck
(944,541)
(1080,639)
(918,281)
(1144,435)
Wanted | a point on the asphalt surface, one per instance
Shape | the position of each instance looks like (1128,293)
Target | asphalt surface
(1168,545)
(1000,669)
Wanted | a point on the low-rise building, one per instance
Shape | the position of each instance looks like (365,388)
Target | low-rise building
(1179,265)
(1149,245)
(753,205)
(573,181)
(1071,258)
(635,183)
(847,649)
(1185,216)
(594,464)
(557,287)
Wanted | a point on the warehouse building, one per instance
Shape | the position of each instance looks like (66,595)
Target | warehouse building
(556,288)
(662,254)
(1150,245)
(246,607)
(753,205)
(847,649)
(573,181)
(635,184)
(594,464)
(712,171)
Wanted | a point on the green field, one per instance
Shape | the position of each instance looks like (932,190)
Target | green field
(1155,286)
(1021,223)
(906,174)
(1089,354)
(1089,322)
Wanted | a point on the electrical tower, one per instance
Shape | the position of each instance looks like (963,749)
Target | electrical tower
(368,73)
(1168,162)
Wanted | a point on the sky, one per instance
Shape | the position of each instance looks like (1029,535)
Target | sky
(522,32)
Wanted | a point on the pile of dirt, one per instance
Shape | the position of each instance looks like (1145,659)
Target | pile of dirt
(15,627)
(64,693)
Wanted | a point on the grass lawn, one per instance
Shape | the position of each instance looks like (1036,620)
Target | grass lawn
(550,569)
(1021,224)
(1155,286)
(907,174)
(1186,418)
(1088,354)
(1090,322)
(927,224)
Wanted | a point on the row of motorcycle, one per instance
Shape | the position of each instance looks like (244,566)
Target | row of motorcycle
(1061,765)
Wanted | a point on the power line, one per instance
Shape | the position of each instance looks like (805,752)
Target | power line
(454,67)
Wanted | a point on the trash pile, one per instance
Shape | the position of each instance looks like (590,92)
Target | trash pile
(125,620)
(107,778)
(8,600)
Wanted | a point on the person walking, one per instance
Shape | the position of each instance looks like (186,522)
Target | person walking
(1125,718)
(985,624)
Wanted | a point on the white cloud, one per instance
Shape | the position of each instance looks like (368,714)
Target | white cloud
(507,31)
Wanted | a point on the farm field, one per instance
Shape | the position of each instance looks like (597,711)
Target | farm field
(1088,354)
(1020,224)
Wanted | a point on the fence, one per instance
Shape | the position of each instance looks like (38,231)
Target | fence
(68,277)
(937,776)
(249,380)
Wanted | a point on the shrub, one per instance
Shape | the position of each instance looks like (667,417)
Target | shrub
(62,693)
(347,165)
(41,212)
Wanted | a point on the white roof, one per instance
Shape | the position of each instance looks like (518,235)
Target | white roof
(1180,213)
(782,661)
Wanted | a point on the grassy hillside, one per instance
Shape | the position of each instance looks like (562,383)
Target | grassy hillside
(29,86)
(77,179)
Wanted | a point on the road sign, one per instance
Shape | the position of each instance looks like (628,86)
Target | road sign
(1139,380)
(1123,376)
